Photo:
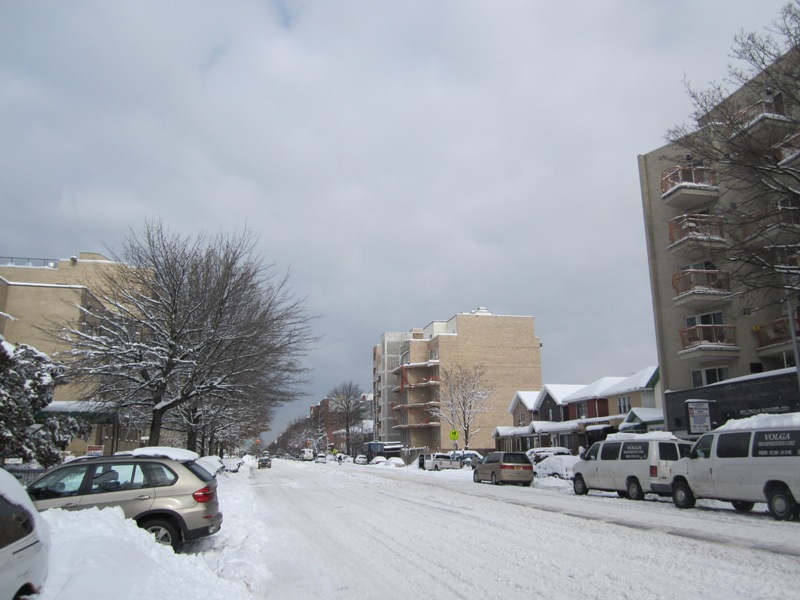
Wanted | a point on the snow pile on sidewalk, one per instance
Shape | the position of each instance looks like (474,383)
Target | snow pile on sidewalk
(100,552)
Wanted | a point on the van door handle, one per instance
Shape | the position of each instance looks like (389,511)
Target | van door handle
(143,497)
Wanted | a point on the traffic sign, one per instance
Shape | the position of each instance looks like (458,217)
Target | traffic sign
(454,435)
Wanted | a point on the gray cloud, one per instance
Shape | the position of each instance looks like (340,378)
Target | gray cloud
(405,161)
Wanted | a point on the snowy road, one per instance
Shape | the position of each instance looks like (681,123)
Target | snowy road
(354,531)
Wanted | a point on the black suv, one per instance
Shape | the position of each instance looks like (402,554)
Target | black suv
(166,493)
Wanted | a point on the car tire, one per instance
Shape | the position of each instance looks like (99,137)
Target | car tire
(165,532)
(682,495)
(435,467)
(475,477)
(742,505)
(635,489)
(781,504)
(579,486)
(494,479)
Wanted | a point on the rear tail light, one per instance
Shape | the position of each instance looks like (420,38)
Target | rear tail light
(653,471)
(204,495)
(514,467)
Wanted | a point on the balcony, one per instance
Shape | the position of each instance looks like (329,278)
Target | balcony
(765,123)
(787,151)
(695,288)
(422,425)
(706,343)
(775,338)
(688,230)
(687,188)
(779,222)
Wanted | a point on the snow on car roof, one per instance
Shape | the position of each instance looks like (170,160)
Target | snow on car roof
(766,421)
(650,435)
(169,452)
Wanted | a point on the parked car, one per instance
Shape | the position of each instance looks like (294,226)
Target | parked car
(630,464)
(378,460)
(165,490)
(504,467)
(395,461)
(361,460)
(469,457)
(556,465)
(321,458)
(264,461)
(24,542)
(438,461)
(536,455)
(744,462)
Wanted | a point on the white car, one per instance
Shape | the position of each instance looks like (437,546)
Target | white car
(378,460)
(361,460)
(24,541)
(321,458)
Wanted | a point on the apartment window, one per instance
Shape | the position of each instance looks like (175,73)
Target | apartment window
(550,414)
(433,354)
(714,318)
(701,377)
(623,404)
(582,409)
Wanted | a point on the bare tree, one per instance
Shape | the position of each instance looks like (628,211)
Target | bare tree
(462,397)
(347,408)
(189,320)
(748,143)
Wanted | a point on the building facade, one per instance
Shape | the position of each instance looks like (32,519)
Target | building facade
(701,219)
(505,346)
(37,295)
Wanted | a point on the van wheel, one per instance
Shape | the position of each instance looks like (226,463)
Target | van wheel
(579,486)
(435,467)
(742,505)
(682,495)
(781,504)
(494,479)
(635,490)
(164,532)
(475,477)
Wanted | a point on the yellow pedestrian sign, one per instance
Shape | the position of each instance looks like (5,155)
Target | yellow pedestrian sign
(454,435)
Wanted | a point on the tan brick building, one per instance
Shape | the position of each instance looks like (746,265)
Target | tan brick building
(37,295)
(506,346)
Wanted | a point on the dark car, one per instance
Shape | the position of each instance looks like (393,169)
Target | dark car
(504,467)
(264,461)
(164,490)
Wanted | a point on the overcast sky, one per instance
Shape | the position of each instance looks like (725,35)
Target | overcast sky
(403,161)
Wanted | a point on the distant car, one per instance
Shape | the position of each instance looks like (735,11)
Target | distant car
(378,460)
(264,461)
(395,461)
(504,467)
(24,542)
(321,458)
(536,455)
(361,460)
(469,457)
(165,490)
(556,465)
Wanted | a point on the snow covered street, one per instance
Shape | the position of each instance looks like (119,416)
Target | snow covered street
(301,530)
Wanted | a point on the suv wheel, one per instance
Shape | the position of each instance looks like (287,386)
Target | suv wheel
(781,504)
(579,486)
(164,532)
(634,489)
(475,477)
(682,495)
(494,479)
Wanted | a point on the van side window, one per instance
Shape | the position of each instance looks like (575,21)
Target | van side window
(733,445)
(684,449)
(702,448)
(667,451)
(610,451)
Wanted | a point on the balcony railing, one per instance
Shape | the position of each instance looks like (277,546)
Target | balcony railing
(708,335)
(697,226)
(762,108)
(19,261)
(696,280)
(787,150)
(777,332)
(773,217)
(703,177)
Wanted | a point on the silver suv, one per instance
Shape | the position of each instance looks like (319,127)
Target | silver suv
(174,499)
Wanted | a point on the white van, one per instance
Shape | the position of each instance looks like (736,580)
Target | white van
(438,461)
(631,464)
(743,462)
